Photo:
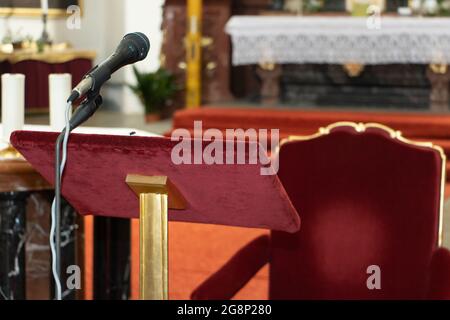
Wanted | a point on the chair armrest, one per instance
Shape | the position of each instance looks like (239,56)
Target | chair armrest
(440,275)
(229,279)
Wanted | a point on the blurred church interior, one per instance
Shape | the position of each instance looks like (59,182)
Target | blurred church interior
(292,65)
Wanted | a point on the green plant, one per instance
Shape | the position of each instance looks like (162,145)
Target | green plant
(154,89)
(312,6)
(444,6)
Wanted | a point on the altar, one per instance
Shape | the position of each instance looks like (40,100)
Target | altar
(272,41)
(37,66)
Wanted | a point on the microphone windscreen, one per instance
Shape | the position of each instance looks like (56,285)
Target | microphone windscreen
(141,43)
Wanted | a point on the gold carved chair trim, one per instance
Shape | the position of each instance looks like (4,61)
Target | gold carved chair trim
(394,134)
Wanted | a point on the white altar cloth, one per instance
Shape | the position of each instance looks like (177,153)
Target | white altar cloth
(339,40)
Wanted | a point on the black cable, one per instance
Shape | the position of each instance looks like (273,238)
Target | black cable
(83,112)
(58,201)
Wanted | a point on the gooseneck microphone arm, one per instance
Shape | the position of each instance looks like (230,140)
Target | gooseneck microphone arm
(134,47)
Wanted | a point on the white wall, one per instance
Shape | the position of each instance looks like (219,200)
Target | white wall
(144,16)
(103,24)
(91,34)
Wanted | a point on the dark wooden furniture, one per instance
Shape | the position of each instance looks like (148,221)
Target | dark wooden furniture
(392,86)
(396,86)
(217,72)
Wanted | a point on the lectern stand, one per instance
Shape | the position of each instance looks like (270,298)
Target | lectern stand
(105,173)
(156,196)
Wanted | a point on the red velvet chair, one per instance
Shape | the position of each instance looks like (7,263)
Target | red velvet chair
(367,197)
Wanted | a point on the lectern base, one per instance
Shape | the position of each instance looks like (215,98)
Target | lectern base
(153,266)
(154,194)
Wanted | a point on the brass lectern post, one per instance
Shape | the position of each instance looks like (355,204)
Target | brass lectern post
(156,195)
(153,246)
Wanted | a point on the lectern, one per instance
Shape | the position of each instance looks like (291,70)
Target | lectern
(105,173)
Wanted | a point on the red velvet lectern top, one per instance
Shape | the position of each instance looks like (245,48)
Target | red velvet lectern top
(97,166)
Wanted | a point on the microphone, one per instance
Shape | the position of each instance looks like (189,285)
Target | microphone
(134,47)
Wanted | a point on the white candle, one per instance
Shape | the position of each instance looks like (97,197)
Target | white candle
(13,104)
(60,86)
(44,6)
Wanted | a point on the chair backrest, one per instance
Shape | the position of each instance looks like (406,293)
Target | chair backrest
(368,198)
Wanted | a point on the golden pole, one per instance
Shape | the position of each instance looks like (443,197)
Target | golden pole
(153,247)
(156,195)
(193,53)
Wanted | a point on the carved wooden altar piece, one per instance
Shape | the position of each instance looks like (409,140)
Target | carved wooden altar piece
(215,45)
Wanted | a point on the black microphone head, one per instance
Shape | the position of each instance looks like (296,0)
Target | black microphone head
(134,47)
(139,44)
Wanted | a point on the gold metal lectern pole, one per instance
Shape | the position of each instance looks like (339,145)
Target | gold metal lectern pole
(156,195)
(153,246)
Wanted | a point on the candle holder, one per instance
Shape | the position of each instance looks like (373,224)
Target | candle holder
(45,38)
(9,153)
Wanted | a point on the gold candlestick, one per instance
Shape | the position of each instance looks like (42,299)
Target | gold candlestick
(9,153)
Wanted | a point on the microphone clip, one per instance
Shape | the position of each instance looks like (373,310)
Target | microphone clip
(87,108)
